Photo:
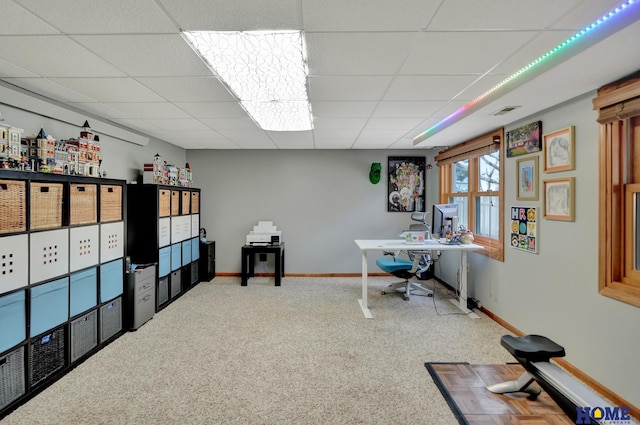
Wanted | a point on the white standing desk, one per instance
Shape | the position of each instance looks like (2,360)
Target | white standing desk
(367,245)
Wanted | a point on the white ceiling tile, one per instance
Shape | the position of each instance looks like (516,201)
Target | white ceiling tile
(189,89)
(435,87)
(217,143)
(357,53)
(537,47)
(339,88)
(480,87)
(324,142)
(50,88)
(327,134)
(110,89)
(42,55)
(367,15)
(342,109)
(249,139)
(399,109)
(102,110)
(203,110)
(237,15)
(179,124)
(585,13)
(150,110)
(392,123)
(16,21)
(292,139)
(458,52)
(101,16)
(144,55)
(245,123)
(10,70)
(339,123)
(499,14)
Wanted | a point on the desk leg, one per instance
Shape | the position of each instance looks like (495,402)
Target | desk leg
(461,303)
(364,305)
(278,272)
(244,271)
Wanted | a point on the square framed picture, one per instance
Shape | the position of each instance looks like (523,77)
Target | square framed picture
(559,199)
(559,150)
(524,140)
(527,179)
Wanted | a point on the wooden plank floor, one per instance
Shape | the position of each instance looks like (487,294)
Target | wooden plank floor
(466,384)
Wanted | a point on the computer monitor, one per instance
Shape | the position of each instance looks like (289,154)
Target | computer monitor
(442,218)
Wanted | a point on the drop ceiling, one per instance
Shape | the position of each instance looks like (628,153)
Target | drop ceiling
(381,71)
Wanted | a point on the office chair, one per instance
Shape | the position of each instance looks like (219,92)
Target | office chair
(418,262)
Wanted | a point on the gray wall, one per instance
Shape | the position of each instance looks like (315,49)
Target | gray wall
(321,200)
(120,159)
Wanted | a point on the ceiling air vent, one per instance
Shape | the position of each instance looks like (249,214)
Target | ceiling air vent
(505,110)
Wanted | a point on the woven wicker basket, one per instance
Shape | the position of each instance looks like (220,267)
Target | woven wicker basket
(186,202)
(110,203)
(46,205)
(175,202)
(13,197)
(84,204)
(195,202)
(165,202)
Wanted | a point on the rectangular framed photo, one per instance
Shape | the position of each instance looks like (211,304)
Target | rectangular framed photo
(524,232)
(559,150)
(527,179)
(405,183)
(559,199)
(524,140)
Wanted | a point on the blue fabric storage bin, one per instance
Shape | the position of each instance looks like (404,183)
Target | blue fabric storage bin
(164,261)
(176,260)
(186,252)
(111,280)
(195,249)
(13,319)
(83,291)
(49,305)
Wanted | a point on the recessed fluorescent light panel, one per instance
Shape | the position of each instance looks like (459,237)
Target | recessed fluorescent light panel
(265,70)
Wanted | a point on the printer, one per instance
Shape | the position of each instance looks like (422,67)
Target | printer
(265,233)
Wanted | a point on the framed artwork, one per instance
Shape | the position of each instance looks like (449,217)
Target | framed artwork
(559,148)
(406,184)
(524,140)
(559,199)
(524,229)
(527,179)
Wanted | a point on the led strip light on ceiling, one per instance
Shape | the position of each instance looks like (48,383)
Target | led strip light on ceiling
(615,20)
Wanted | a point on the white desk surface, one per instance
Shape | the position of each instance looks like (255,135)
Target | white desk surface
(367,245)
(399,244)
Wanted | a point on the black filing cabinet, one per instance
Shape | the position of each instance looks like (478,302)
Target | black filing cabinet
(207,260)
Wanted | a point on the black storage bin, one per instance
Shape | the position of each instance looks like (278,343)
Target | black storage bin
(47,355)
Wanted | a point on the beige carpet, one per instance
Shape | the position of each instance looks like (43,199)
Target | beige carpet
(301,353)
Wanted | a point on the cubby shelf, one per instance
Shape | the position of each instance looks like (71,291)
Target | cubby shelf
(62,249)
(163,227)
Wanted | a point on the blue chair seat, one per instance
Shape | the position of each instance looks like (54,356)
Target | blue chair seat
(390,264)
